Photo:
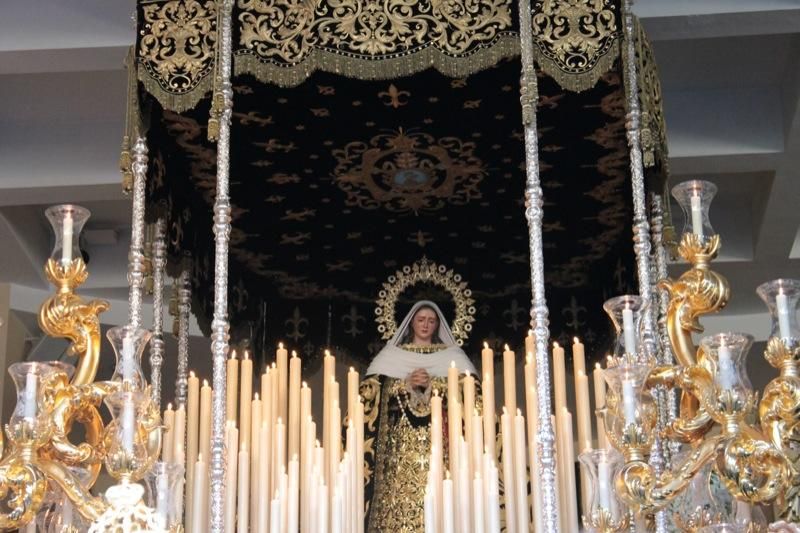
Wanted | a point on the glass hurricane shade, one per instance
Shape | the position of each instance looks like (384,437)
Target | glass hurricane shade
(67,221)
(626,314)
(782,297)
(124,439)
(695,198)
(128,344)
(31,419)
(725,356)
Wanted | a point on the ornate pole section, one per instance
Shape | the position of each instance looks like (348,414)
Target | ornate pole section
(157,339)
(136,260)
(222,230)
(539,313)
(641,228)
(184,310)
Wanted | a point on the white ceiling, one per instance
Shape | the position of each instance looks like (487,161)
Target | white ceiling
(730,71)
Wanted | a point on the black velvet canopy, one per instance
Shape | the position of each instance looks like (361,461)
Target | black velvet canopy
(342,174)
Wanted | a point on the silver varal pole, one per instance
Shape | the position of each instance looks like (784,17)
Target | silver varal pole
(184,311)
(545,437)
(222,230)
(157,339)
(641,226)
(136,267)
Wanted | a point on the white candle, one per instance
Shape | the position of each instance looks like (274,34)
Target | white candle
(275,515)
(162,499)
(29,398)
(230,476)
(494,500)
(520,481)
(244,493)
(726,373)
(293,496)
(509,381)
(128,423)
(477,501)
(127,358)
(507,434)
(200,496)
(697,214)
(448,518)
(604,484)
(628,401)
(782,303)
(430,526)
(628,331)
(66,240)
(168,441)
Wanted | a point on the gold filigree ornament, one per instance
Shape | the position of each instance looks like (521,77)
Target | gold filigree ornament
(284,41)
(425,271)
(176,50)
(577,41)
(409,171)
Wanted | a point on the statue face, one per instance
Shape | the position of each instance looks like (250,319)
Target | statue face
(424,324)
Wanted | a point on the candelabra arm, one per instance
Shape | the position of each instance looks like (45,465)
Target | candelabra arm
(67,315)
(88,506)
(23,487)
(76,404)
(753,470)
(639,486)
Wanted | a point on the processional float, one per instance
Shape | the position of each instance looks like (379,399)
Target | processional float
(673,419)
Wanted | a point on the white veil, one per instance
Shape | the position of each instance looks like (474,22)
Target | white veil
(395,362)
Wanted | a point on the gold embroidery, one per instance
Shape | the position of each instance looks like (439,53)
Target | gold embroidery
(176,50)
(577,40)
(283,41)
(401,471)
(423,348)
(404,172)
(424,271)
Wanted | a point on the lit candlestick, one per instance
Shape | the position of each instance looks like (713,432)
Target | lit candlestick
(293,429)
(697,213)
(192,437)
(231,384)
(328,377)
(559,377)
(726,373)
(245,398)
(281,360)
(199,496)
(599,403)
(169,434)
(66,239)
(784,325)
(205,420)
(179,440)
(520,478)
(306,443)
(488,414)
(29,397)
(510,380)
(569,495)
(477,504)
(507,433)
(530,343)
(469,408)
(628,401)
(628,331)
(256,420)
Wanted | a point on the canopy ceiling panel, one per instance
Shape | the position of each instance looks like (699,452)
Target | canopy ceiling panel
(338,180)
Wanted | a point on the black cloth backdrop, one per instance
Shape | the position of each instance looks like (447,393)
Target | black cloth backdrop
(337,183)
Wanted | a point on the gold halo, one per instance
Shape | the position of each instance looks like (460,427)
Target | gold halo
(425,271)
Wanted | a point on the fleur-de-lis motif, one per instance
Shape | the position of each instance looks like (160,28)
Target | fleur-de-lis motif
(394,97)
(298,325)
(353,318)
(512,313)
(573,314)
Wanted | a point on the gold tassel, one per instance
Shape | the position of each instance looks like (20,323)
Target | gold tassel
(125,165)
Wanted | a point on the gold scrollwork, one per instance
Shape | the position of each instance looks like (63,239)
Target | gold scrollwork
(425,271)
(577,41)
(371,38)
(177,46)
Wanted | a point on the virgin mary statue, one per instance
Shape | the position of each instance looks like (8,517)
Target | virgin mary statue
(397,413)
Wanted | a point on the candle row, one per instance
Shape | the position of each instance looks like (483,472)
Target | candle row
(279,478)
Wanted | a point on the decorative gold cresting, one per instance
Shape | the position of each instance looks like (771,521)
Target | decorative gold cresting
(425,271)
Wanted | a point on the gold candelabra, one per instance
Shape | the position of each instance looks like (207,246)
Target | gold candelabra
(41,460)
(756,462)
